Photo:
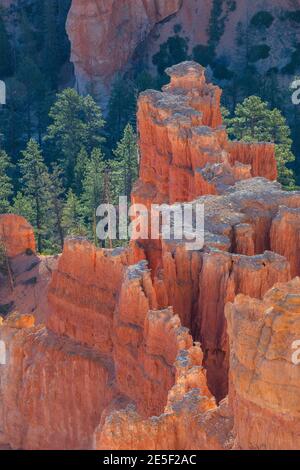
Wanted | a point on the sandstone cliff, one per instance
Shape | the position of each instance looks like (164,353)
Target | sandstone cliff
(115,28)
(264,379)
(110,36)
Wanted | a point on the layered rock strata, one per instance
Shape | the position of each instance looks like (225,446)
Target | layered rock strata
(144,357)
(137,338)
(185,151)
(265,372)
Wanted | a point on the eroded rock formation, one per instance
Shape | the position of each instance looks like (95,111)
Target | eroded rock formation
(265,378)
(185,151)
(137,338)
(16,234)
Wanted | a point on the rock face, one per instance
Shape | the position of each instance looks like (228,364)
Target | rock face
(110,36)
(265,372)
(185,151)
(285,236)
(114,27)
(16,234)
(137,338)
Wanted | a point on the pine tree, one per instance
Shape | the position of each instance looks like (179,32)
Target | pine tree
(121,108)
(57,202)
(77,124)
(125,167)
(72,217)
(22,205)
(81,161)
(13,122)
(6,186)
(93,188)
(36,186)
(51,50)
(30,76)
(253,121)
(6,62)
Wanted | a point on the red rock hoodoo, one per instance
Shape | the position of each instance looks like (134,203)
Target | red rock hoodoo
(16,234)
(137,338)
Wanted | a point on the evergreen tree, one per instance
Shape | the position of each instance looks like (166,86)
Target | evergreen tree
(121,109)
(93,188)
(77,124)
(6,62)
(30,76)
(51,51)
(13,122)
(28,37)
(145,81)
(80,166)
(6,187)
(171,52)
(36,186)
(255,122)
(72,217)
(22,205)
(125,167)
(57,202)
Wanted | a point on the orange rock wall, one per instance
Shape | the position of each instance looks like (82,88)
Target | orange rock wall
(83,294)
(16,234)
(95,25)
(259,156)
(52,390)
(264,380)
(185,152)
(285,236)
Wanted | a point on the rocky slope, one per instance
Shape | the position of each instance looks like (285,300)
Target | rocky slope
(152,338)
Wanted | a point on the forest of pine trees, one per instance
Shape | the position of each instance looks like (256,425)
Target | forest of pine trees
(59,159)
(59,184)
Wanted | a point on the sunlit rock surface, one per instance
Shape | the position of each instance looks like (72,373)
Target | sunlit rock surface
(102,341)
(264,368)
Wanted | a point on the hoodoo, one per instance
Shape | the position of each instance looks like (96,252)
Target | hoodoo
(181,347)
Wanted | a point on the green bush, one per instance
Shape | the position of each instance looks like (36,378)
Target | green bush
(294,64)
(259,52)
(222,72)
(293,16)
(204,55)
(172,52)
(262,19)
(177,28)
(231,5)
(6,308)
